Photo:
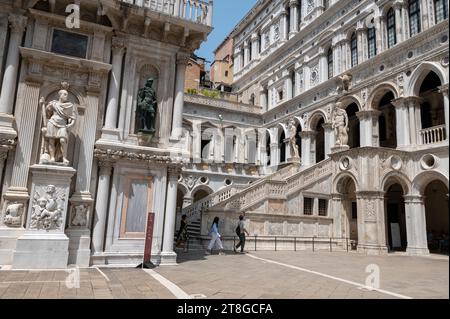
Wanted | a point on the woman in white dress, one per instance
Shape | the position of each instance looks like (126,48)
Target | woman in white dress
(215,237)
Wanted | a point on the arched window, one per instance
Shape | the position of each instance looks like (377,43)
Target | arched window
(414,17)
(293,83)
(440,10)
(391,34)
(372,42)
(354,49)
(330,63)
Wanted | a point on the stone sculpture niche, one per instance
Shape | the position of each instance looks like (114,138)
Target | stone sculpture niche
(146,108)
(58,117)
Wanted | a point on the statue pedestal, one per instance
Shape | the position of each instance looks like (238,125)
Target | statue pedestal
(44,244)
(294,159)
(340,148)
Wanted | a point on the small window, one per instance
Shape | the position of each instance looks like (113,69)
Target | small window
(226,73)
(323,207)
(307,206)
(354,49)
(392,36)
(280,95)
(71,44)
(441,10)
(330,63)
(414,17)
(372,42)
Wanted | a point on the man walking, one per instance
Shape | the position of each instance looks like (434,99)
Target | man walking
(241,231)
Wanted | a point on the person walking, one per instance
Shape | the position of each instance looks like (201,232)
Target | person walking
(241,231)
(182,237)
(215,237)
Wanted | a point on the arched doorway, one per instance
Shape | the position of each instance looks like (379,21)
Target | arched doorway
(437,216)
(320,140)
(432,108)
(347,189)
(387,122)
(298,139)
(353,126)
(282,145)
(395,218)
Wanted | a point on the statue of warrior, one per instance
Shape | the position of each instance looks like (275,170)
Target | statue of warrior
(146,108)
(340,125)
(59,117)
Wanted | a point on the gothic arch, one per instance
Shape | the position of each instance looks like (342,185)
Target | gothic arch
(420,73)
(202,187)
(394,177)
(379,91)
(282,127)
(421,181)
(183,188)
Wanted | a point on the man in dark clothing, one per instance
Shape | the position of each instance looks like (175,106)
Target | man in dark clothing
(242,232)
(183,233)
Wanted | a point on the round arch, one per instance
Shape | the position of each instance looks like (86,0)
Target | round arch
(349,100)
(204,188)
(315,118)
(421,181)
(379,91)
(341,178)
(420,73)
(394,177)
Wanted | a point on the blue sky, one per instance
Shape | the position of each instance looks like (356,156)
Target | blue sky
(227,13)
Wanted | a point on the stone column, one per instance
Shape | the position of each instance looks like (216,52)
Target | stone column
(178,105)
(306,147)
(444,91)
(344,55)
(255,46)
(274,154)
(398,21)
(18,24)
(110,128)
(379,34)
(360,34)
(416,230)
(246,53)
(168,256)
(338,213)
(284,26)
(413,104)
(263,99)
(425,16)
(335,48)
(101,207)
(316,206)
(293,7)
(323,62)
(329,138)
(368,126)
(371,222)
(402,122)
(81,201)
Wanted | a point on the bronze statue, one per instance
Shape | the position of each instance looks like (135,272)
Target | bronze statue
(146,108)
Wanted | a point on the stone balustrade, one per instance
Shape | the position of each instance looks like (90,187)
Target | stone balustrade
(433,135)
(196,11)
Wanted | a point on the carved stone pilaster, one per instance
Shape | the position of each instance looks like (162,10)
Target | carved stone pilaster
(18,23)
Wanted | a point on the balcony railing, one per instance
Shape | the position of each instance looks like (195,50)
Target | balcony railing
(197,11)
(433,135)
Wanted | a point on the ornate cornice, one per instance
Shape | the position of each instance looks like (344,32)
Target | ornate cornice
(110,155)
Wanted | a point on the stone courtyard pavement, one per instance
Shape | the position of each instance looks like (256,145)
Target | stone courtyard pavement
(266,275)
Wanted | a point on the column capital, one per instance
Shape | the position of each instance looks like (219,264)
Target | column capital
(293,3)
(183,59)
(369,194)
(18,23)
(368,114)
(398,4)
(174,171)
(414,100)
(327,126)
(414,199)
(118,45)
(307,134)
(105,165)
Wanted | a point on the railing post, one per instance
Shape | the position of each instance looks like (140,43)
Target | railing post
(275,243)
(176,8)
(255,241)
(295,243)
(313,244)
(209,15)
(331,248)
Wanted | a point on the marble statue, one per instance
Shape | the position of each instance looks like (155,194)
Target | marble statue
(46,213)
(340,125)
(345,82)
(292,130)
(146,108)
(59,117)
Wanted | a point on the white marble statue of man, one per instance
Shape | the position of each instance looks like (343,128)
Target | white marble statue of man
(340,125)
(59,117)
(292,130)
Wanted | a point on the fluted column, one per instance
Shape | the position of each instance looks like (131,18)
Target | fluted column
(255,46)
(18,25)
(360,32)
(246,53)
(101,207)
(168,256)
(368,125)
(416,230)
(178,105)
(306,147)
(379,34)
(274,154)
(118,50)
(293,7)
(329,138)
(413,104)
